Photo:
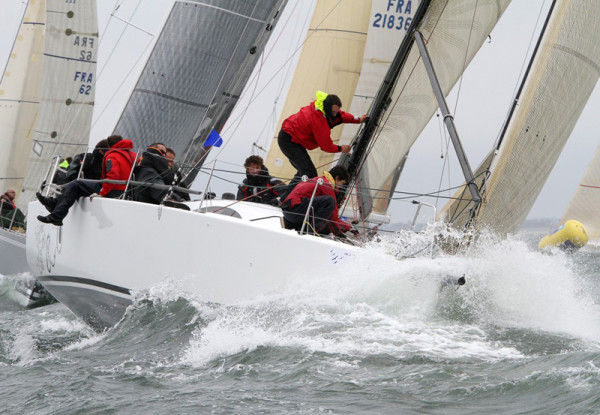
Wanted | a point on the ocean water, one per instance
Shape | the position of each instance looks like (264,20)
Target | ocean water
(522,336)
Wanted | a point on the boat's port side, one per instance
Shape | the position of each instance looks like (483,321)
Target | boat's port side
(99,304)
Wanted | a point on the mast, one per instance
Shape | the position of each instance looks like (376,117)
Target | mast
(361,143)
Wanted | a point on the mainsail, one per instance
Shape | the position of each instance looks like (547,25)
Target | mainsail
(584,204)
(330,61)
(20,95)
(196,72)
(453,31)
(64,114)
(563,74)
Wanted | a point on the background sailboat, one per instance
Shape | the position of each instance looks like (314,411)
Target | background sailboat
(545,112)
(586,200)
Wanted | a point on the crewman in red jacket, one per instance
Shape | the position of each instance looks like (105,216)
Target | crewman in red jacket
(310,128)
(324,205)
(117,165)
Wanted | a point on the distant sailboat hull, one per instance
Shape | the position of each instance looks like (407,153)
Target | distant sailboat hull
(109,249)
(12,254)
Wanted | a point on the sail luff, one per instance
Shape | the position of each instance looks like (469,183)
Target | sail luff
(20,95)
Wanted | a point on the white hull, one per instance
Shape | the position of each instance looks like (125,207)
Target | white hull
(108,248)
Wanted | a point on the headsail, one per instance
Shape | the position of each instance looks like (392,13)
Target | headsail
(67,97)
(453,31)
(584,204)
(564,72)
(330,61)
(196,72)
(20,95)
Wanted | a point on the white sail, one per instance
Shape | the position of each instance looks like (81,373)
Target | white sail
(196,72)
(388,24)
(562,77)
(584,204)
(330,61)
(19,96)
(453,31)
(67,97)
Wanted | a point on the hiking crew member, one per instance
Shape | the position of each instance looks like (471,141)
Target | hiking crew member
(258,186)
(117,165)
(325,209)
(153,167)
(310,128)
(92,169)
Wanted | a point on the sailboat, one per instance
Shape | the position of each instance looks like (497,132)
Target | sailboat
(583,207)
(47,95)
(542,117)
(216,248)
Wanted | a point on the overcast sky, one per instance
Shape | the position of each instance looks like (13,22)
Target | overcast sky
(486,92)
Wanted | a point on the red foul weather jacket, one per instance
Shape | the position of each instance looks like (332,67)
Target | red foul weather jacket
(305,190)
(117,165)
(310,128)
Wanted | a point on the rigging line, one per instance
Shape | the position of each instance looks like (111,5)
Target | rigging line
(285,64)
(217,116)
(118,89)
(523,71)
(127,24)
(273,116)
(16,31)
(462,76)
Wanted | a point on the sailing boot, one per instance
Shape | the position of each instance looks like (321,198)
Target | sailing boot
(51,219)
(48,202)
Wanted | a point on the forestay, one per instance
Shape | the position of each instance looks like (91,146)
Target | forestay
(20,95)
(564,72)
(197,69)
(330,61)
(67,96)
(453,31)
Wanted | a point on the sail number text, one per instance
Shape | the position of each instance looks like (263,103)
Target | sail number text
(86,80)
(395,16)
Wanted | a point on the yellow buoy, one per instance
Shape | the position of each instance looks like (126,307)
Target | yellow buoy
(569,236)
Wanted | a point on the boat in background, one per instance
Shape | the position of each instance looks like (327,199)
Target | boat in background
(544,113)
(47,96)
(570,236)
(583,207)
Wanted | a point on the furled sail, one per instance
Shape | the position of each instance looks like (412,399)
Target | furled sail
(453,31)
(67,96)
(19,96)
(330,61)
(563,74)
(584,204)
(199,66)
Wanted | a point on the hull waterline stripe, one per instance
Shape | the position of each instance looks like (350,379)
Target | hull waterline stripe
(85,286)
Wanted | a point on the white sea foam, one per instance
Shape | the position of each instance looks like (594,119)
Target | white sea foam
(379,305)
